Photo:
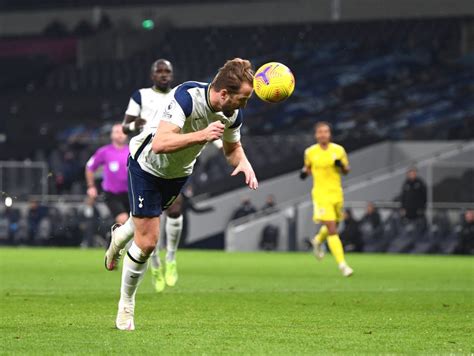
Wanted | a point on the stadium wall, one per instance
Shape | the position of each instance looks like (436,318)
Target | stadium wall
(372,161)
(237,14)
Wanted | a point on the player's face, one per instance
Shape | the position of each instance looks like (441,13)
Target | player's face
(323,134)
(162,75)
(231,102)
(117,136)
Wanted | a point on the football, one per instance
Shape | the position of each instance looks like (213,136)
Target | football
(273,82)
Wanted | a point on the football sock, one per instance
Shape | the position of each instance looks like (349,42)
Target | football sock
(174,227)
(124,233)
(322,235)
(134,268)
(335,246)
(155,256)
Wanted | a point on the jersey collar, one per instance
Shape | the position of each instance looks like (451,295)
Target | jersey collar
(157,90)
(207,90)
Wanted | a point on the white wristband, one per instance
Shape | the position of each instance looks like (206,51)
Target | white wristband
(131,126)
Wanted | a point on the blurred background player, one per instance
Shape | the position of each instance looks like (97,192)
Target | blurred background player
(326,161)
(144,104)
(161,162)
(113,159)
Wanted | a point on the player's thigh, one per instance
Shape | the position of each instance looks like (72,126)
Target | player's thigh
(145,232)
(170,190)
(323,210)
(175,209)
(144,192)
(339,211)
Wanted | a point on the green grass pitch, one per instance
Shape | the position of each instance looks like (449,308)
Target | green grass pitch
(63,301)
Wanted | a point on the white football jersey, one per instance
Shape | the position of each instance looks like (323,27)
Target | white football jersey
(146,102)
(187,106)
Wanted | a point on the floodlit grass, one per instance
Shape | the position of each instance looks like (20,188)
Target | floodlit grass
(63,301)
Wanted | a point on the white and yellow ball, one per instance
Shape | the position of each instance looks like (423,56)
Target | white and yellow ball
(273,82)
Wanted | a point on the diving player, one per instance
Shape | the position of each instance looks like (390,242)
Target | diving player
(142,108)
(162,158)
(326,162)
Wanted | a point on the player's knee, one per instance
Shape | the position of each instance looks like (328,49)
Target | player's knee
(174,214)
(332,228)
(146,243)
(174,211)
(148,248)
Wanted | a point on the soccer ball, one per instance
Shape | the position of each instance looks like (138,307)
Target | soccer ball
(273,82)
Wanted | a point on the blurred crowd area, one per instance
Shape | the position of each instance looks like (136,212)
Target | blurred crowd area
(409,228)
(374,81)
(87,226)
(399,233)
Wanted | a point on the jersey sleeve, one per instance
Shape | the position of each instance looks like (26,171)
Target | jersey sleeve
(97,160)
(179,108)
(307,159)
(232,133)
(344,159)
(135,104)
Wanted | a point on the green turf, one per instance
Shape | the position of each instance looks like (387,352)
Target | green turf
(63,301)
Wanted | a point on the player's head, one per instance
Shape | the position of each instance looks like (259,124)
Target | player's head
(322,132)
(162,74)
(117,136)
(233,84)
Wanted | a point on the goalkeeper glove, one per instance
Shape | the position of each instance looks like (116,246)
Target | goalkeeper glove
(303,174)
(338,163)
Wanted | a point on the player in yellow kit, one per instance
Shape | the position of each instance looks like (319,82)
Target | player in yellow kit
(326,162)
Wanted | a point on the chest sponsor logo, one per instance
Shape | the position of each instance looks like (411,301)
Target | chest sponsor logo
(114,166)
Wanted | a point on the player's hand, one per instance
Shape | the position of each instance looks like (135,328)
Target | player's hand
(338,163)
(92,192)
(303,173)
(214,131)
(250,178)
(139,123)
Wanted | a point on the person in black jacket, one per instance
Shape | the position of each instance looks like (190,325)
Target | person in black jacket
(350,234)
(413,196)
(187,206)
(246,208)
(371,217)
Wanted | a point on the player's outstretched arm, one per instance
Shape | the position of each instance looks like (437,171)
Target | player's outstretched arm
(236,157)
(169,139)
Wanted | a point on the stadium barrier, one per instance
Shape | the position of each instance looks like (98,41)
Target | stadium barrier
(296,227)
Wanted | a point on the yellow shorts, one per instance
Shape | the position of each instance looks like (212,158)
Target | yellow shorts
(328,211)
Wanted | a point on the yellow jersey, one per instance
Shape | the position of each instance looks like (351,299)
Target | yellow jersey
(327,185)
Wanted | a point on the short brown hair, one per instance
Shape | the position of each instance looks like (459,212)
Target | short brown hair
(232,75)
(322,123)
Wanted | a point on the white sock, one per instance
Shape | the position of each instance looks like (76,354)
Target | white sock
(124,233)
(174,227)
(155,257)
(134,268)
